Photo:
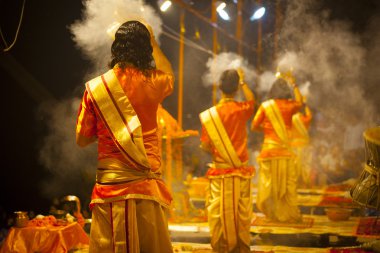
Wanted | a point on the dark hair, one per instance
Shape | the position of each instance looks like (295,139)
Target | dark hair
(132,46)
(280,90)
(229,81)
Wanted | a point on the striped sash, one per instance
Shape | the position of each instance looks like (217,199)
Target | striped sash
(299,126)
(219,137)
(118,116)
(274,115)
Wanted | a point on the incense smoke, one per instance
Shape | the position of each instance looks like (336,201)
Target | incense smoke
(332,61)
(330,56)
(72,168)
(266,80)
(93,34)
(223,61)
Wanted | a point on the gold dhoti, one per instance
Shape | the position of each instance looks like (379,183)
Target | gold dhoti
(277,189)
(130,225)
(131,219)
(302,165)
(229,213)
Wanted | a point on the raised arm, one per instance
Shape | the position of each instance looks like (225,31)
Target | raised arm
(297,93)
(162,63)
(248,94)
(258,119)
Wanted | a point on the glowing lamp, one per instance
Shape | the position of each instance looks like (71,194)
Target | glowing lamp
(222,12)
(165,5)
(259,13)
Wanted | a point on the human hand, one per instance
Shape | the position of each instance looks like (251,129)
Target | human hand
(241,75)
(291,81)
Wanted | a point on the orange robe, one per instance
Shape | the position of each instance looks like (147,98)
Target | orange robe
(234,116)
(230,200)
(277,193)
(117,207)
(144,93)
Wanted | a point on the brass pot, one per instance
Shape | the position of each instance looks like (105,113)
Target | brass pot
(21,219)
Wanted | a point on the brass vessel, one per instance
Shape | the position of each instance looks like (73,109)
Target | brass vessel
(21,219)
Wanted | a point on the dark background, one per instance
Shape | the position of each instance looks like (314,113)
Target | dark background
(44,65)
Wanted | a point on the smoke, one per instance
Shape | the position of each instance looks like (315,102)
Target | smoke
(72,168)
(372,74)
(223,61)
(266,80)
(94,33)
(305,89)
(330,59)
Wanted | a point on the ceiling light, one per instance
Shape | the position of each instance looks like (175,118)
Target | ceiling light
(165,5)
(259,13)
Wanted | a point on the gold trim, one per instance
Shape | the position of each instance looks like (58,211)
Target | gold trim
(234,174)
(129,196)
(371,170)
(275,117)
(225,165)
(300,126)
(218,135)
(110,171)
(368,135)
(117,105)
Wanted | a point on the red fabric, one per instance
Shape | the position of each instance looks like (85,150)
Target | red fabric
(234,116)
(154,188)
(43,222)
(369,226)
(333,200)
(350,250)
(243,171)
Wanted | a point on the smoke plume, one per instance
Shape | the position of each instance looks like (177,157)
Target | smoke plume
(331,60)
(223,61)
(93,34)
(72,168)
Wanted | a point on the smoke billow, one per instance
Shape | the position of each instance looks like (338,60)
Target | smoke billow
(330,56)
(266,80)
(72,168)
(94,33)
(223,61)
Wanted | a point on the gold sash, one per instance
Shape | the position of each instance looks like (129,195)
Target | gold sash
(118,116)
(112,171)
(299,126)
(219,137)
(275,117)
